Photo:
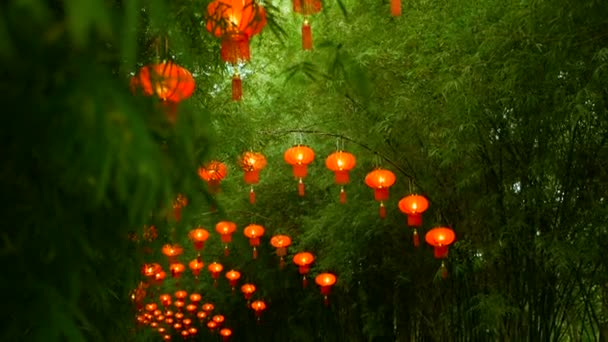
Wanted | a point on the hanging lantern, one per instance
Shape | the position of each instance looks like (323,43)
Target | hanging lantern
(219,319)
(307,8)
(325,281)
(380,180)
(225,229)
(281,242)
(179,304)
(254,232)
(180,202)
(211,325)
(172,252)
(303,260)
(196,266)
(413,206)
(158,278)
(258,306)
(215,269)
(165,300)
(252,163)
(248,290)
(235,22)
(149,270)
(181,294)
(225,333)
(201,315)
(192,331)
(177,269)
(440,238)
(299,157)
(341,163)
(190,308)
(168,81)
(213,173)
(198,236)
(233,277)
(208,307)
(395,8)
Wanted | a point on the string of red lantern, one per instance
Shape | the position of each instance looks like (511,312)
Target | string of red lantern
(341,163)
(413,206)
(299,157)
(440,238)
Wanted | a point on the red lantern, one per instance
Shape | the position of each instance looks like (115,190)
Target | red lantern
(149,270)
(196,266)
(165,300)
(303,260)
(299,157)
(395,8)
(211,325)
(307,8)
(201,315)
(325,281)
(219,319)
(413,206)
(225,333)
(380,180)
(172,252)
(281,242)
(252,163)
(208,307)
(225,229)
(253,232)
(177,269)
(215,269)
(341,163)
(168,81)
(213,173)
(258,306)
(180,202)
(248,290)
(181,294)
(235,22)
(440,238)
(233,277)
(198,236)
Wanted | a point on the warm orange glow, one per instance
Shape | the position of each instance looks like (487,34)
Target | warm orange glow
(168,81)
(201,315)
(215,269)
(218,319)
(165,299)
(252,161)
(248,290)
(380,178)
(184,333)
(192,330)
(187,321)
(211,324)
(303,258)
(149,270)
(225,227)
(179,304)
(299,155)
(440,236)
(325,279)
(279,241)
(195,297)
(307,7)
(253,231)
(233,276)
(177,269)
(198,236)
(208,307)
(258,305)
(181,294)
(195,265)
(214,171)
(151,307)
(190,307)
(225,332)
(341,163)
(167,337)
(172,250)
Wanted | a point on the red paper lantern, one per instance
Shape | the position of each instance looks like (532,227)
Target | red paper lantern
(440,238)
(215,269)
(219,319)
(325,281)
(380,180)
(177,269)
(281,242)
(248,290)
(341,163)
(213,173)
(208,307)
(258,306)
(307,8)
(225,229)
(299,157)
(233,277)
(180,202)
(413,206)
(198,237)
(235,22)
(252,163)
(201,315)
(149,270)
(172,252)
(303,260)
(196,266)
(165,300)
(253,232)
(168,81)
(225,333)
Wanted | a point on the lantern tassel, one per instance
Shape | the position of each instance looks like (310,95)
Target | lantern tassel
(226,250)
(255,252)
(282,263)
(395,8)
(300,187)
(306,35)
(237,87)
(304,282)
(342,195)
(382,210)
(416,238)
(444,271)
(252,196)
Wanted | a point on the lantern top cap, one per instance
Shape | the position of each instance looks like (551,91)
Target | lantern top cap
(413,204)
(440,236)
(303,258)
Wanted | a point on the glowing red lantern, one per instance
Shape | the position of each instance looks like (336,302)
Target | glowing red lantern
(233,277)
(380,180)
(181,294)
(252,163)
(395,8)
(440,238)
(325,281)
(196,266)
(149,270)
(225,229)
(166,337)
(258,307)
(168,81)
(192,331)
(225,333)
(208,307)
(215,269)
(165,299)
(190,308)
(201,315)
(172,252)
(195,297)
(253,232)
(198,236)
(299,157)
(213,173)
(341,163)
(248,290)
(235,22)
(151,307)
(307,8)
(219,319)
(413,206)
(159,277)
(303,260)
(180,202)
(281,242)
(177,269)
(211,325)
